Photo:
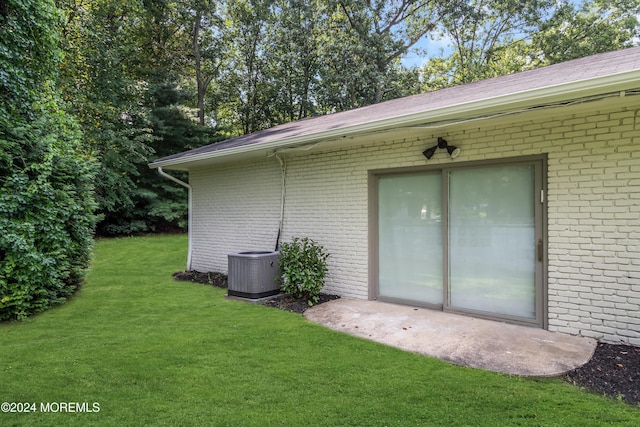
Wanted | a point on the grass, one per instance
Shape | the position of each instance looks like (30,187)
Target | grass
(152,351)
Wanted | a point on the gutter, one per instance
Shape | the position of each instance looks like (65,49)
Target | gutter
(190,215)
(531,97)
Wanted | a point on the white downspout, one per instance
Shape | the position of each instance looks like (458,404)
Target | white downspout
(190,220)
(283,169)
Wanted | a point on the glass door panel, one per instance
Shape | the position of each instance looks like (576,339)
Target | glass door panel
(491,240)
(410,237)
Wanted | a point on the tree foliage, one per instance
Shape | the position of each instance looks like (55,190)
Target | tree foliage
(482,30)
(495,37)
(295,58)
(46,179)
(248,88)
(119,58)
(160,205)
(593,27)
(105,95)
(374,35)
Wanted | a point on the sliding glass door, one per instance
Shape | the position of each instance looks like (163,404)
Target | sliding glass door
(410,237)
(491,233)
(463,239)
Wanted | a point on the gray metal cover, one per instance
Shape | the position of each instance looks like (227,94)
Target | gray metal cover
(253,274)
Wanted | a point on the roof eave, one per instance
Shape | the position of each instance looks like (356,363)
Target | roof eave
(522,99)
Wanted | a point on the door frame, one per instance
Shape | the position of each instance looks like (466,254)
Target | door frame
(541,266)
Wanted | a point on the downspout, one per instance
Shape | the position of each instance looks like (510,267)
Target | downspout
(190,217)
(283,169)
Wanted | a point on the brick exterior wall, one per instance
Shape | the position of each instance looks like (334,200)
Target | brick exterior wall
(593,206)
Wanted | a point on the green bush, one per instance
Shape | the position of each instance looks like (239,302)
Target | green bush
(303,267)
(46,180)
(46,218)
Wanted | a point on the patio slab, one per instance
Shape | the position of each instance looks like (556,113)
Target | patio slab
(462,340)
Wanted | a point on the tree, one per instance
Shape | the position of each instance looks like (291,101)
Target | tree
(486,36)
(492,38)
(207,49)
(364,42)
(593,27)
(247,90)
(104,91)
(120,60)
(295,57)
(46,178)
(160,205)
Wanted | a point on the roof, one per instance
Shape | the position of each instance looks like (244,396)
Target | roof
(589,76)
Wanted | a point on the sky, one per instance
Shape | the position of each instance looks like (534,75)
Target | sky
(441,47)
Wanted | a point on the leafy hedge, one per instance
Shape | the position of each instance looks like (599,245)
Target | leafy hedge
(46,181)
(303,267)
(46,219)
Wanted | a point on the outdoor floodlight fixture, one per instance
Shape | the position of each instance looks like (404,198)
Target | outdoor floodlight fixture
(453,151)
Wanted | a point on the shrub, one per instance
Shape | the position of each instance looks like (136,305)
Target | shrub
(46,180)
(303,267)
(46,218)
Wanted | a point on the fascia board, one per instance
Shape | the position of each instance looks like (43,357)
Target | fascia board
(521,99)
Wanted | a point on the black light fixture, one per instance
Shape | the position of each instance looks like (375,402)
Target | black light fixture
(453,151)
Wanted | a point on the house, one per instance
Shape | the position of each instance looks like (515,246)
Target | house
(526,211)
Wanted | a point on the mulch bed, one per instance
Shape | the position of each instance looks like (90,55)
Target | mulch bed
(214,279)
(293,305)
(613,371)
(284,302)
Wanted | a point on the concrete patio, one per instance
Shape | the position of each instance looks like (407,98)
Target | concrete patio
(462,340)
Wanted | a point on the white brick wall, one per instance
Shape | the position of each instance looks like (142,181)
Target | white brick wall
(235,208)
(593,205)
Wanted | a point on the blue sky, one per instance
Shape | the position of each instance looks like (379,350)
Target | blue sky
(434,48)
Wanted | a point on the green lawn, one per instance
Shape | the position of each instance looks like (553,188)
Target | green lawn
(152,351)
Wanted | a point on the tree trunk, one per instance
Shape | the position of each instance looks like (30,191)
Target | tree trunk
(202,87)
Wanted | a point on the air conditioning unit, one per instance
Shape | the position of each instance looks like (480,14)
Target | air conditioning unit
(253,274)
